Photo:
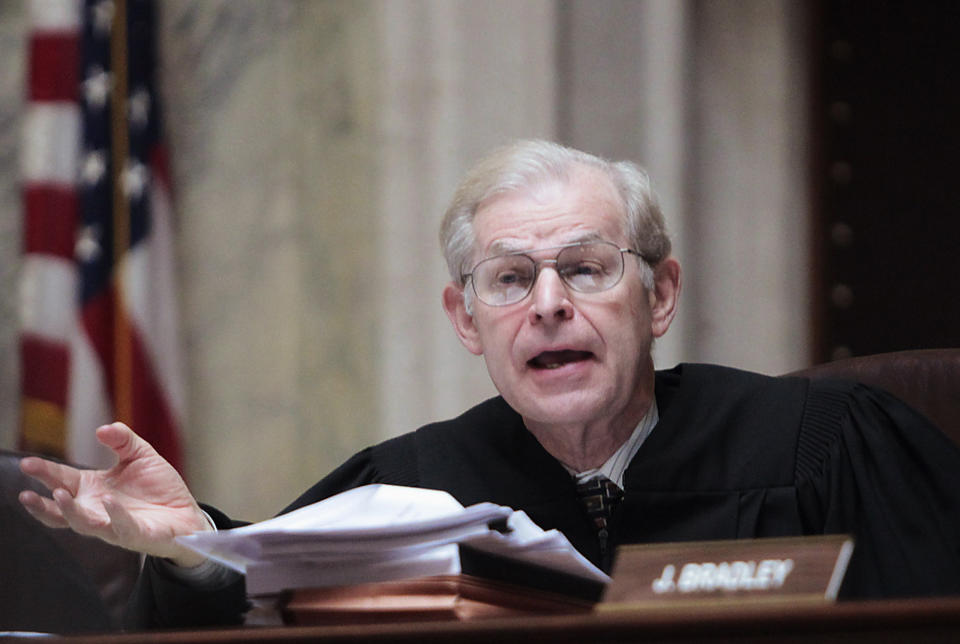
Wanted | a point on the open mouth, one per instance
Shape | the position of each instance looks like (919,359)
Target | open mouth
(557,359)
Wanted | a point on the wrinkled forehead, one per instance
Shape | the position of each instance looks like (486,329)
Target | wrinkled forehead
(553,212)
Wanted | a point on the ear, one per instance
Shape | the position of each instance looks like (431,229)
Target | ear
(456,309)
(665,295)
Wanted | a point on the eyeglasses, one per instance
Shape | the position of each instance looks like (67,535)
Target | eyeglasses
(588,267)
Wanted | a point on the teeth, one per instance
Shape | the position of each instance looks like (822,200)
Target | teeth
(557,359)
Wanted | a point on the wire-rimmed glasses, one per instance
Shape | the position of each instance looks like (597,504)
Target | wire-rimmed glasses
(586,267)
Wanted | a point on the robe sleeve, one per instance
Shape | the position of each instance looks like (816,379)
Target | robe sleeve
(162,600)
(870,466)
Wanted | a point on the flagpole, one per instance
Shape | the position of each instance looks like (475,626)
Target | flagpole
(122,351)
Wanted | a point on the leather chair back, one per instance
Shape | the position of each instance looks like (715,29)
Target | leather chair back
(928,380)
(56,580)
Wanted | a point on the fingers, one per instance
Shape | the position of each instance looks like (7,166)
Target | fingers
(118,437)
(52,475)
(64,511)
(81,518)
(43,509)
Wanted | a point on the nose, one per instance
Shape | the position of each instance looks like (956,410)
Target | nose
(549,301)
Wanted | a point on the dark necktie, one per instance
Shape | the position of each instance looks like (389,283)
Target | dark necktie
(600,497)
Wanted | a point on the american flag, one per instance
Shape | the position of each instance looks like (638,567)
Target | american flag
(99,339)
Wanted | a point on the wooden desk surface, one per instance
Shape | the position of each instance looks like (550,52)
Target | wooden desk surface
(915,620)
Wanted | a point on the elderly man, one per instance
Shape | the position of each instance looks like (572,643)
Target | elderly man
(562,279)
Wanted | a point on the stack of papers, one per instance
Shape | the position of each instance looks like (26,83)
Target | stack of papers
(383,533)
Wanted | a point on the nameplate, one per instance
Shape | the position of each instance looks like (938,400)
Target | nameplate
(792,567)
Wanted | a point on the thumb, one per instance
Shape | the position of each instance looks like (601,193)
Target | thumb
(124,442)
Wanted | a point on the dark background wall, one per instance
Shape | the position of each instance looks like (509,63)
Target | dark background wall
(885,185)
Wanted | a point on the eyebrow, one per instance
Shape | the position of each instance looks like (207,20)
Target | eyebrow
(509,246)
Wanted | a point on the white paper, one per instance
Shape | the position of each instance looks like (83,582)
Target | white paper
(381,533)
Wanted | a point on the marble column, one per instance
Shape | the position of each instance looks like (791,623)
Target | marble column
(748,226)
(315,145)
(272,120)
(13,25)
(458,79)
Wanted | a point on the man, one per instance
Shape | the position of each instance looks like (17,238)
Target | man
(562,279)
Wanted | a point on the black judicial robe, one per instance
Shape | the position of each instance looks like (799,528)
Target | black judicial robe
(735,455)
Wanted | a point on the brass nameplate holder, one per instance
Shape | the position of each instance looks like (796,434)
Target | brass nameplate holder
(809,568)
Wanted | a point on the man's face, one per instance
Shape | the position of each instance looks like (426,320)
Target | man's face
(559,356)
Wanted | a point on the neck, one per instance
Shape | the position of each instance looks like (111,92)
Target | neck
(584,446)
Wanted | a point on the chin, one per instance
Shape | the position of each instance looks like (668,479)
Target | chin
(562,409)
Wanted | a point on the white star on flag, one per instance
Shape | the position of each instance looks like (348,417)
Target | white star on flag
(93,167)
(88,244)
(135,179)
(139,107)
(102,14)
(96,87)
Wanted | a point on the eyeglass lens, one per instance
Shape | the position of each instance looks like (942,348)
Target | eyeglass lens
(586,268)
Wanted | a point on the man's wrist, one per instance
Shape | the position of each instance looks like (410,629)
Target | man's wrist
(190,559)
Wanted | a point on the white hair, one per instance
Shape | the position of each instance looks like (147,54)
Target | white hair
(527,163)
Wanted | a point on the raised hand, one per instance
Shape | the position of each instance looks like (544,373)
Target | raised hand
(141,503)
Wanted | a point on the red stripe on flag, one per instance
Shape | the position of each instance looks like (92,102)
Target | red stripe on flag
(51,220)
(160,165)
(152,416)
(54,66)
(44,367)
(97,320)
